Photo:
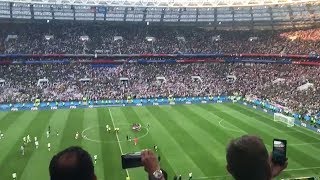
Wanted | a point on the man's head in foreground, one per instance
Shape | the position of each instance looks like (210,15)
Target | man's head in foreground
(73,163)
(248,159)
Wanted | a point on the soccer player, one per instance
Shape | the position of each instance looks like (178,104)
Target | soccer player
(36,144)
(107,127)
(14,176)
(48,133)
(35,139)
(77,135)
(24,140)
(135,141)
(155,147)
(127,138)
(22,150)
(1,135)
(190,175)
(49,146)
(57,133)
(28,138)
(95,159)
(49,129)
(179,178)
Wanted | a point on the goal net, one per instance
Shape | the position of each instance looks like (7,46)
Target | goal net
(285,119)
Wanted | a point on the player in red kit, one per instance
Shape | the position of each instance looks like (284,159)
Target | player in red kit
(135,141)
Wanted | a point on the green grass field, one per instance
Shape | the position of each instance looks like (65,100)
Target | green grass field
(190,138)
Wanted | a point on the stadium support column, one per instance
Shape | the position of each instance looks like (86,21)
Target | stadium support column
(180,12)
(232,12)
(215,11)
(95,14)
(145,11)
(291,15)
(105,13)
(11,4)
(32,11)
(197,14)
(162,14)
(74,12)
(271,16)
(251,22)
(125,14)
(52,12)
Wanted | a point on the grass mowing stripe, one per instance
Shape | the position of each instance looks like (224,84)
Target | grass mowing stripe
(74,124)
(202,131)
(185,140)
(37,167)
(225,126)
(299,157)
(117,136)
(91,119)
(297,139)
(3,114)
(15,130)
(33,129)
(178,159)
(127,116)
(111,151)
(8,119)
(149,140)
(267,116)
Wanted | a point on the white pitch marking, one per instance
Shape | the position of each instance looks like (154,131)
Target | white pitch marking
(83,134)
(230,129)
(117,138)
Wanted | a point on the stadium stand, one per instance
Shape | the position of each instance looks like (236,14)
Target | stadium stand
(57,38)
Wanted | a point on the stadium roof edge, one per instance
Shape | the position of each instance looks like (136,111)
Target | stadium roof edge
(166,3)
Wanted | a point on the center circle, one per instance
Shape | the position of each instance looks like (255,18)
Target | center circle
(109,137)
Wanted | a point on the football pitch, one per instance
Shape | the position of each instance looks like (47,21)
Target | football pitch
(190,138)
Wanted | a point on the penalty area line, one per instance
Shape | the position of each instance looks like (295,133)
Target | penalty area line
(117,138)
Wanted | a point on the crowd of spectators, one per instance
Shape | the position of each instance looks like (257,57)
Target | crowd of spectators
(132,39)
(162,80)
(21,81)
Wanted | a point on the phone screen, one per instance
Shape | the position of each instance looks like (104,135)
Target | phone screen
(279,153)
(131,160)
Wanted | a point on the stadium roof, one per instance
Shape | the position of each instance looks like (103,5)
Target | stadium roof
(166,3)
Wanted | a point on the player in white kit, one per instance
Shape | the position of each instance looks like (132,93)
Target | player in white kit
(14,176)
(28,138)
(49,146)
(77,135)
(95,157)
(24,140)
(22,150)
(36,143)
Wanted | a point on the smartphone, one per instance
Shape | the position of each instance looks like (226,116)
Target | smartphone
(279,153)
(131,160)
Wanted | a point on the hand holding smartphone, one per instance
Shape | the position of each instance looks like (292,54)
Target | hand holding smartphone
(279,152)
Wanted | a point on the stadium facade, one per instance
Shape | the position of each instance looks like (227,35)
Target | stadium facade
(223,14)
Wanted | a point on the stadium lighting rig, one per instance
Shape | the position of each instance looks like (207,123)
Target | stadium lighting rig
(166,3)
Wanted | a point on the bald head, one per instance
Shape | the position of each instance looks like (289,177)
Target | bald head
(73,163)
(248,159)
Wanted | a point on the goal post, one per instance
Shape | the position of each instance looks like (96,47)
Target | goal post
(289,121)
